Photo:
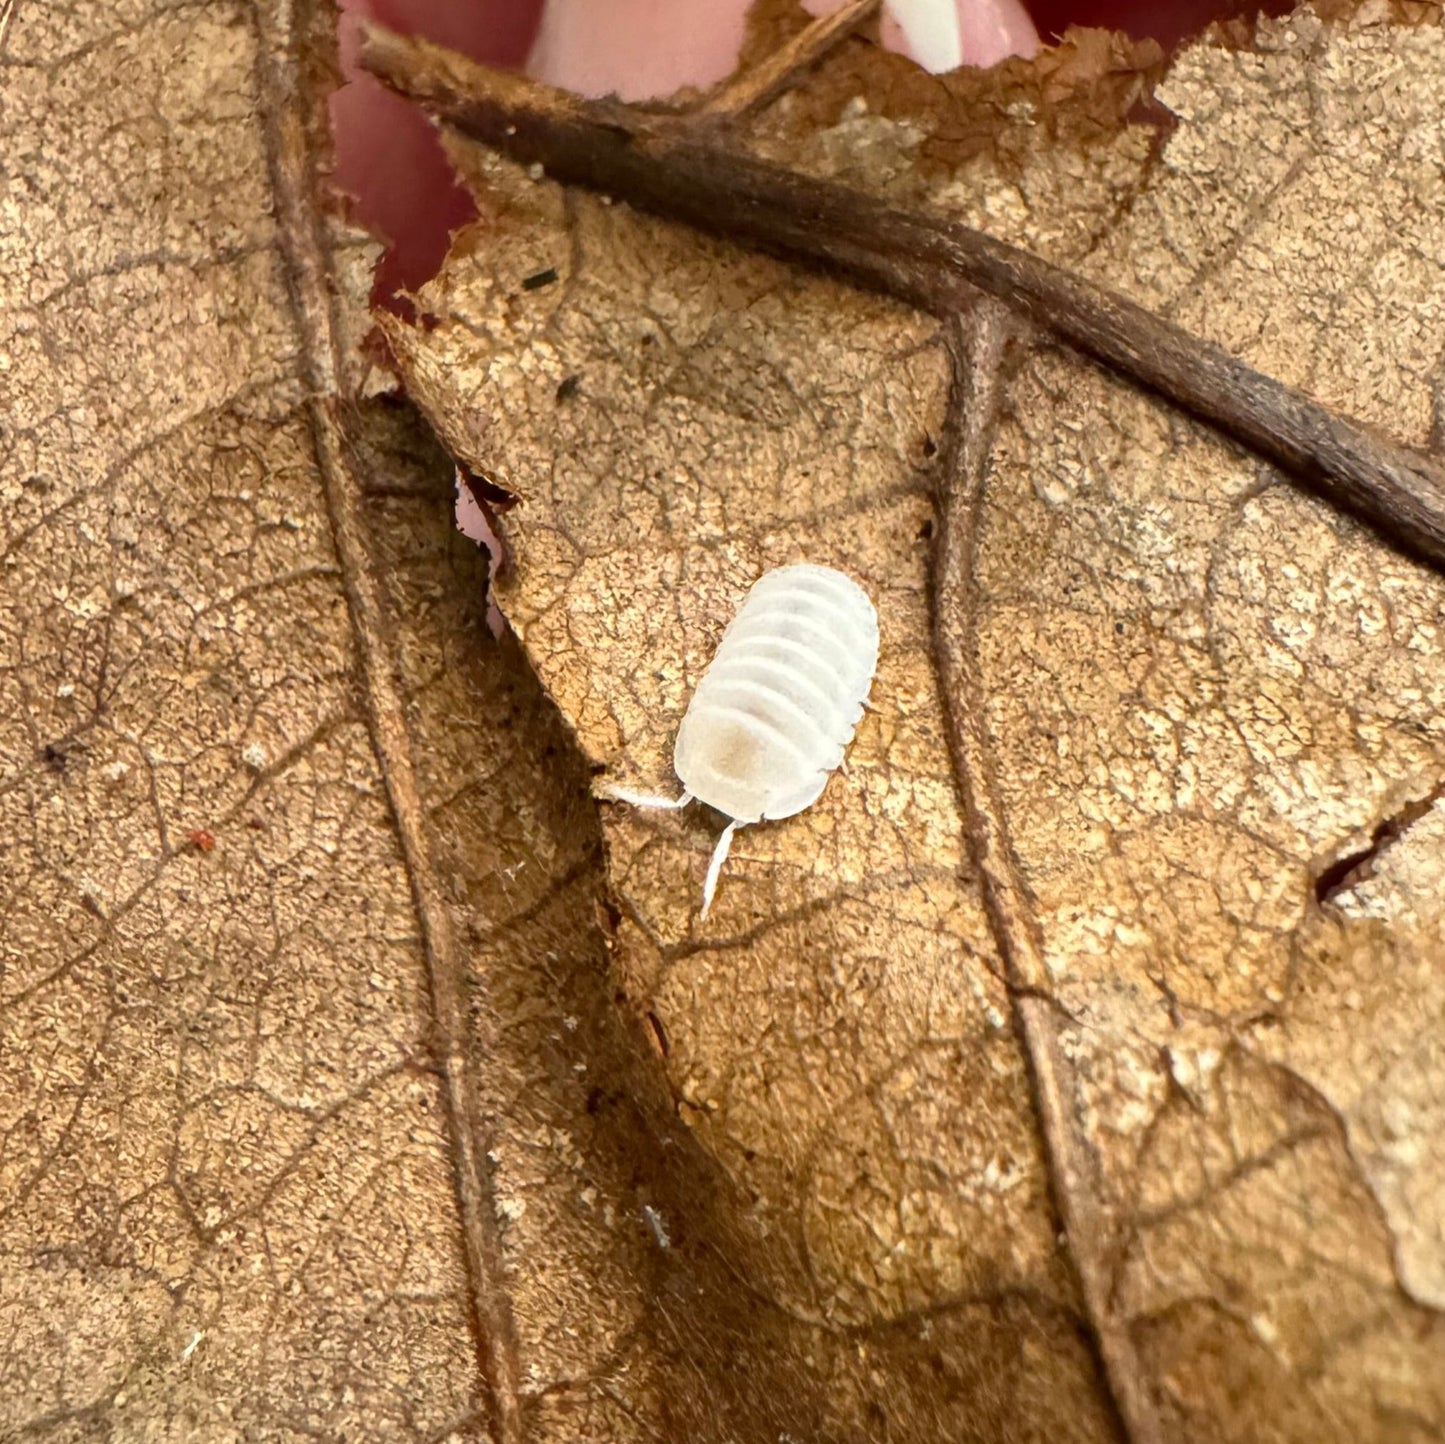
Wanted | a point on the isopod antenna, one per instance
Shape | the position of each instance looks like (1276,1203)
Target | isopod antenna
(644,799)
(715,867)
(671,804)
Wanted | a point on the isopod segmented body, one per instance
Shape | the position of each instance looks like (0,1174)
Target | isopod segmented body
(778,705)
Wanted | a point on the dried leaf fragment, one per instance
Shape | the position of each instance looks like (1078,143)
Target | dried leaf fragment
(844,932)
(1195,685)
(225,1191)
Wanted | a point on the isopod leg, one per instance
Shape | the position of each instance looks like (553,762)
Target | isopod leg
(643,799)
(715,867)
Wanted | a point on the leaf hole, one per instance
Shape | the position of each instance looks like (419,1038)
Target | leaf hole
(1358,865)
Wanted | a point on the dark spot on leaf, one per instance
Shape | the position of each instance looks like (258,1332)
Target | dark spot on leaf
(488,492)
(53,755)
(594,1100)
(567,388)
(925,532)
(1119,628)
(930,446)
(538,279)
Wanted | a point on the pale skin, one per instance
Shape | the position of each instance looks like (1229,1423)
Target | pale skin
(641,49)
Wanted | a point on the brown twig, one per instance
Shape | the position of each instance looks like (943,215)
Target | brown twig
(685,172)
(750,91)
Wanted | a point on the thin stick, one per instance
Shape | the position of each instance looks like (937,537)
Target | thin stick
(684,171)
(749,92)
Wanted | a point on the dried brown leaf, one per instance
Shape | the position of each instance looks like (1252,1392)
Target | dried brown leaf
(298,902)
(293,1124)
(1184,691)
(227,1198)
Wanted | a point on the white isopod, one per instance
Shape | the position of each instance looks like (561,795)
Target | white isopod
(778,705)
